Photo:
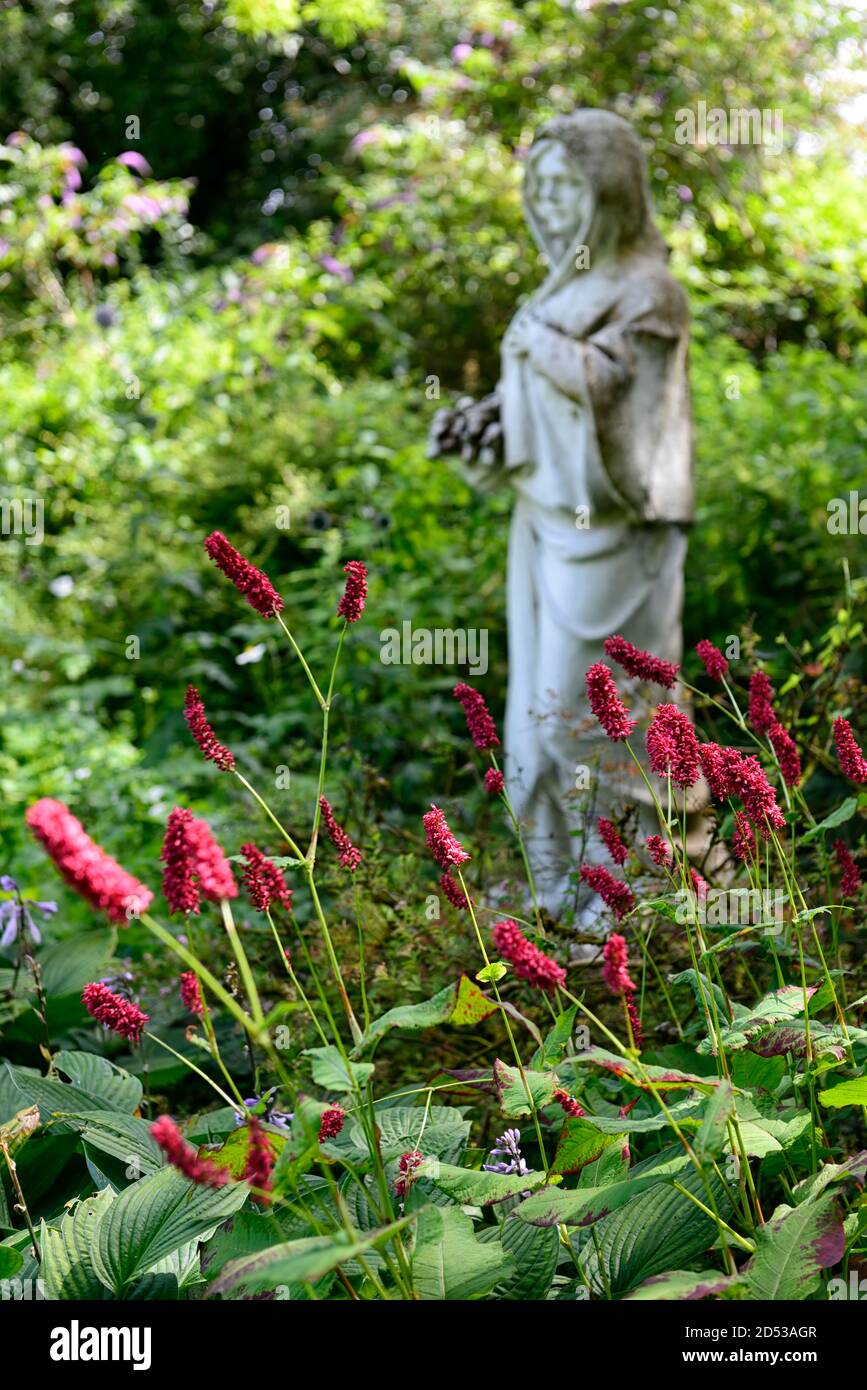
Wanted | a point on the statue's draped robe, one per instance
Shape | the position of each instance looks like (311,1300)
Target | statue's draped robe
(596,426)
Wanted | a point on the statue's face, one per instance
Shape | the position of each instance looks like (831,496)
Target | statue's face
(561,197)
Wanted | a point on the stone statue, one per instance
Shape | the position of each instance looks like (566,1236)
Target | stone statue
(591,423)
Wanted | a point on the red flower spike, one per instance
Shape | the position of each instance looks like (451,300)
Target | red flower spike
(639,664)
(527,961)
(84,864)
(114,1012)
(712,659)
(613,891)
(184,1157)
(351,604)
(606,704)
(615,970)
(191,995)
(445,848)
(672,747)
(612,841)
(197,723)
(348,856)
(252,583)
(481,726)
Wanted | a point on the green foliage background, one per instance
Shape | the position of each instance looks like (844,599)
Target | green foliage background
(335,221)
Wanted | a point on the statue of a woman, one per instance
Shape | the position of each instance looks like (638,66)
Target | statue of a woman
(593,412)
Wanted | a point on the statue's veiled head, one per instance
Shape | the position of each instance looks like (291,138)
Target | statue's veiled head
(586,185)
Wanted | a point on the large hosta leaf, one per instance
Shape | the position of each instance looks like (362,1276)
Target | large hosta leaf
(67,1251)
(794,1247)
(101,1078)
(67,966)
(54,1097)
(659,1230)
(153,1218)
(124,1137)
(449,1262)
(534,1250)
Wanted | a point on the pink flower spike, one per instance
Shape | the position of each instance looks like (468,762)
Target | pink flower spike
(615,971)
(331,1122)
(249,581)
(210,865)
(445,848)
(197,723)
(787,754)
(260,1161)
(606,704)
(351,604)
(348,856)
(114,1012)
(479,722)
(84,865)
(672,747)
(612,841)
(712,659)
(191,995)
(263,881)
(762,714)
(453,892)
(639,664)
(853,764)
(659,851)
(179,885)
(759,798)
(494,783)
(613,891)
(744,843)
(850,877)
(184,1157)
(527,961)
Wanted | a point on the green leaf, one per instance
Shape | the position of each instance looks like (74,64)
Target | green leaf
(512,1089)
(793,1248)
(476,1189)
(552,1049)
(306,1260)
(845,811)
(449,1263)
(582,1205)
(780,1006)
(664,1078)
(67,966)
(10,1261)
(657,1231)
(710,1141)
(852,1092)
(580,1143)
(489,974)
(55,1097)
(67,1251)
(461,1004)
(101,1078)
(124,1137)
(535,1250)
(153,1218)
(333,1074)
(684,1286)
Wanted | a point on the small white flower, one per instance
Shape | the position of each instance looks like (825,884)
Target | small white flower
(250,654)
(62,586)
